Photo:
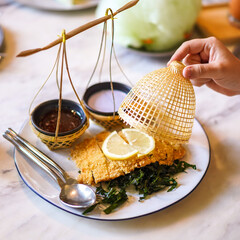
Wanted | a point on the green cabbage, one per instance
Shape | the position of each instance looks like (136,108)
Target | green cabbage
(153,25)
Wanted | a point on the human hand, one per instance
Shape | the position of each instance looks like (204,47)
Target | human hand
(209,62)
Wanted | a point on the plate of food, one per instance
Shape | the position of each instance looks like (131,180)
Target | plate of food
(86,162)
(60,5)
(195,33)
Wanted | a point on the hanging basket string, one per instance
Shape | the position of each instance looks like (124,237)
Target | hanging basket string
(56,63)
(64,62)
(60,86)
(102,51)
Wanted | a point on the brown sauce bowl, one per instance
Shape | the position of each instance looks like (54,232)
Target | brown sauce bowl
(66,138)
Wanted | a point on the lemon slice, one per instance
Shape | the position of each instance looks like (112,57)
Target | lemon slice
(139,140)
(115,148)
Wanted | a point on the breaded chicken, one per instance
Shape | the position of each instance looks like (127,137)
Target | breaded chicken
(91,162)
(95,167)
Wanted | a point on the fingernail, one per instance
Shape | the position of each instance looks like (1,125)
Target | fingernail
(187,72)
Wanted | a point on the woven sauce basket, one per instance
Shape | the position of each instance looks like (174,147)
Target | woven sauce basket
(62,139)
(108,120)
(58,139)
(162,104)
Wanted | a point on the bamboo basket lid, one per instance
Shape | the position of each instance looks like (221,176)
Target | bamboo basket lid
(162,104)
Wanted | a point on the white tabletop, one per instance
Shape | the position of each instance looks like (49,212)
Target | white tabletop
(210,212)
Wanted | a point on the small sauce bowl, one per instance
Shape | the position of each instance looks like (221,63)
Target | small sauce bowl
(98,102)
(73,124)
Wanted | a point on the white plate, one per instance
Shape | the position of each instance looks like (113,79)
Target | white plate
(54,5)
(151,53)
(198,152)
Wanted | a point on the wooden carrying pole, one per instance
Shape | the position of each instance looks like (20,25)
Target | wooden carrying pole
(78,30)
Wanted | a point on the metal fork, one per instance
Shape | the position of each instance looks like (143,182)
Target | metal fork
(38,157)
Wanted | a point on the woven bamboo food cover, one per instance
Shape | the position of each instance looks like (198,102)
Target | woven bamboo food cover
(162,104)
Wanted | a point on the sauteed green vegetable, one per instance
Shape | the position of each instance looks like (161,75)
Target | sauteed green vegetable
(146,180)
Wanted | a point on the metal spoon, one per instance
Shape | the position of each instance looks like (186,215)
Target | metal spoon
(72,194)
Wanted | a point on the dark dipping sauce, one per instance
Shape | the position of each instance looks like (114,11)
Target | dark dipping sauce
(69,120)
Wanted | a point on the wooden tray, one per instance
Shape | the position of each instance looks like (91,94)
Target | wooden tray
(213,21)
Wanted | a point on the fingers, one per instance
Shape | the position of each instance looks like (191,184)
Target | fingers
(200,71)
(194,47)
(191,59)
(208,62)
(200,81)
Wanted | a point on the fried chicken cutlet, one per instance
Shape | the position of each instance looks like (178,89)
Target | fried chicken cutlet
(95,167)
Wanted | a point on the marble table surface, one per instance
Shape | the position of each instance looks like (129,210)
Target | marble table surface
(212,211)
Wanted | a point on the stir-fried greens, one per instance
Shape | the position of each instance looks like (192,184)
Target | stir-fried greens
(146,180)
